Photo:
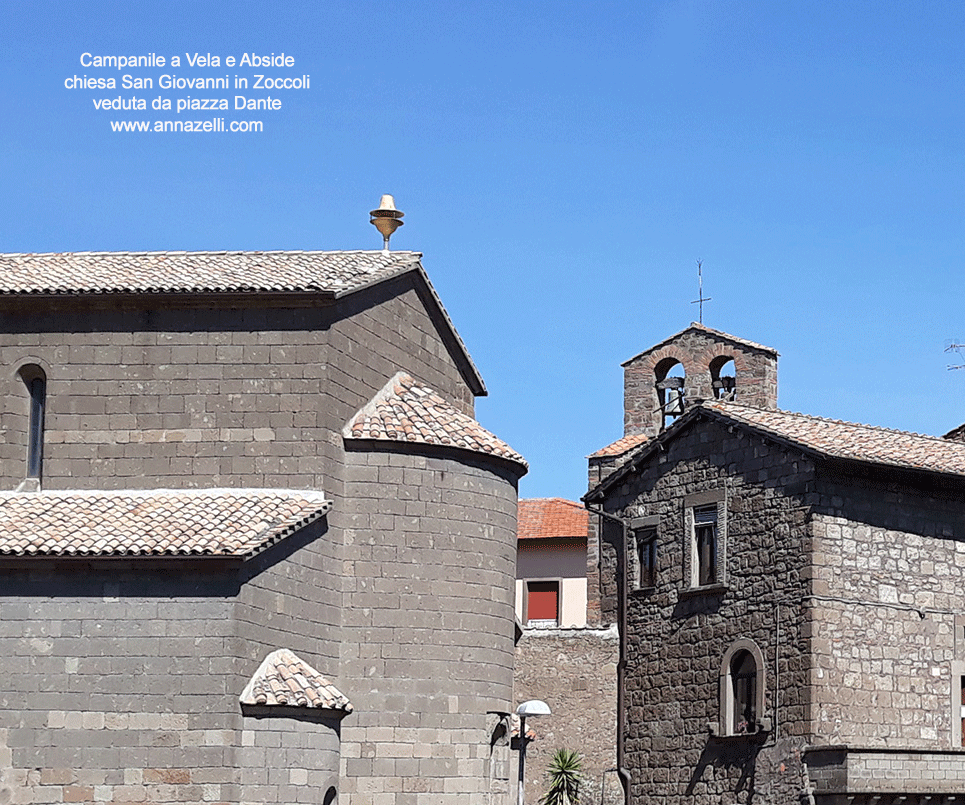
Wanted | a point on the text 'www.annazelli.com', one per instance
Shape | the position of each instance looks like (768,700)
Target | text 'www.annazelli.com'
(212,126)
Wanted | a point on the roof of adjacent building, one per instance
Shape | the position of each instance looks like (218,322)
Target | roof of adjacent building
(819,437)
(702,328)
(207,523)
(621,446)
(551,518)
(327,273)
(284,679)
(406,410)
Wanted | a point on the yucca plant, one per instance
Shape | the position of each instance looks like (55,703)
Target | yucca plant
(565,773)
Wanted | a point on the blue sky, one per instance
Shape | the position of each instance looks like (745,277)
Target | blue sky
(561,165)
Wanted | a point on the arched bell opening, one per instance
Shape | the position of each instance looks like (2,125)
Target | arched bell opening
(671,390)
(723,376)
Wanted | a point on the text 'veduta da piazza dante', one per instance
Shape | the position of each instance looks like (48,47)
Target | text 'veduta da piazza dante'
(186,85)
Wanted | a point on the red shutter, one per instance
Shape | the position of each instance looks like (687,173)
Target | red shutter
(544,598)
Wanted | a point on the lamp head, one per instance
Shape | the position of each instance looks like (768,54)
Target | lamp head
(534,707)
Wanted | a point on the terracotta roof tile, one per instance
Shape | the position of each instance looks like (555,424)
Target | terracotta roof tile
(217,522)
(196,272)
(284,679)
(548,518)
(848,440)
(405,410)
(620,446)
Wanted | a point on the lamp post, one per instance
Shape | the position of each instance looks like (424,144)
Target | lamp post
(532,708)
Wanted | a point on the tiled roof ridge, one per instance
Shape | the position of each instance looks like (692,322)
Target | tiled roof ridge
(283,679)
(157,252)
(726,406)
(410,411)
(243,491)
(620,446)
(554,499)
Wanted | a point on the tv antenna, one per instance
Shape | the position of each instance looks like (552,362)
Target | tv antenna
(956,347)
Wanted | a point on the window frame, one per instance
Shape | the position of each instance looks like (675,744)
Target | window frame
(644,536)
(34,379)
(702,510)
(559,599)
(727,702)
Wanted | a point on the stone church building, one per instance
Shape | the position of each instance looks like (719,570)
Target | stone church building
(254,546)
(790,590)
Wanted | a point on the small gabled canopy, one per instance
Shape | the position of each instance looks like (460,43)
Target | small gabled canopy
(696,327)
(815,436)
(285,680)
(408,411)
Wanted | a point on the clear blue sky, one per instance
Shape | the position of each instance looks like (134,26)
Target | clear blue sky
(561,166)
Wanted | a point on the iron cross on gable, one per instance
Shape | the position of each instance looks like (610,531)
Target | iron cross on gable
(700,292)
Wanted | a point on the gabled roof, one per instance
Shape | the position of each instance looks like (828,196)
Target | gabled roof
(74,273)
(818,437)
(551,518)
(621,446)
(834,438)
(406,410)
(285,680)
(213,522)
(326,274)
(702,328)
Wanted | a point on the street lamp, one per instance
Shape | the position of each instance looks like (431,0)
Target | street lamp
(532,708)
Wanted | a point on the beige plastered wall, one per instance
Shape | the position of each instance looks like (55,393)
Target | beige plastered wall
(548,560)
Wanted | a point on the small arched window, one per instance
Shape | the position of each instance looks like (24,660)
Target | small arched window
(35,381)
(742,690)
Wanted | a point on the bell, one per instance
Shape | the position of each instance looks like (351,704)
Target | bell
(386,219)
(675,402)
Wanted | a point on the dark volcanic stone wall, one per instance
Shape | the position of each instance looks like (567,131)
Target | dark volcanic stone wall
(677,636)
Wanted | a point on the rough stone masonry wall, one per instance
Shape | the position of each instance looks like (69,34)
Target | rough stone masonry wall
(888,563)
(574,672)
(756,376)
(430,567)
(209,396)
(677,637)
